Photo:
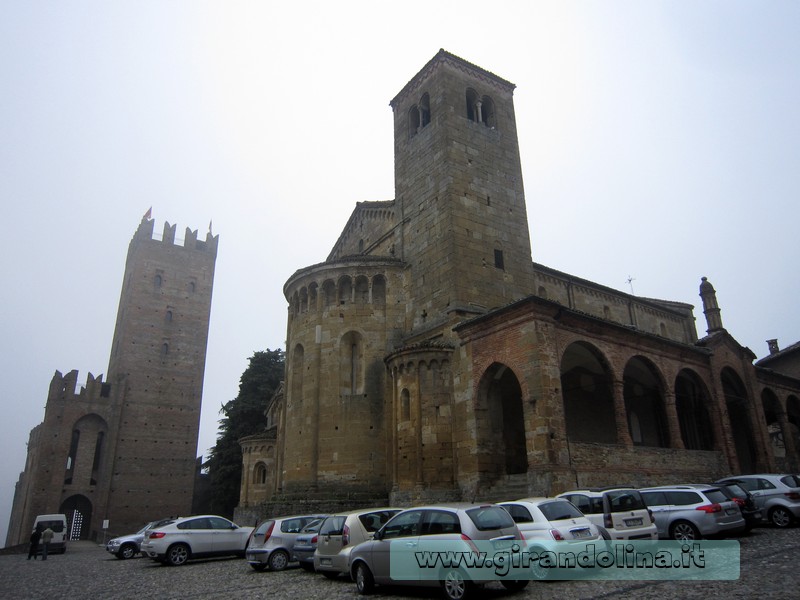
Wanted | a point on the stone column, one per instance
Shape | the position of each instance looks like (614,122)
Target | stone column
(673,424)
(620,415)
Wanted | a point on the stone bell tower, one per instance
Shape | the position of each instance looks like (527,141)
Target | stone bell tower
(458,188)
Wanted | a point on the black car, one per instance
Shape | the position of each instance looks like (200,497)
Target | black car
(752,515)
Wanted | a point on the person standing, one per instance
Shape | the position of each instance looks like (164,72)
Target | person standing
(34,547)
(47,536)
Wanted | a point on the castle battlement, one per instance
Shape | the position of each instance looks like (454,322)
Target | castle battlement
(66,387)
(145,232)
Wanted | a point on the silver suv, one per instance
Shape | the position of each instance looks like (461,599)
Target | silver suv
(777,496)
(619,512)
(443,525)
(689,512)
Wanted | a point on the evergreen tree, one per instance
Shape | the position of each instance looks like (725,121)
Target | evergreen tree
(242,416)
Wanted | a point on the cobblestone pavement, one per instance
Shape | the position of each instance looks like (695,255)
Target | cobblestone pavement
(769,567)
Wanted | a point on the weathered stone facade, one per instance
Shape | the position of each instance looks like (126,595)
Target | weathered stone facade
(124,450)
(429,358)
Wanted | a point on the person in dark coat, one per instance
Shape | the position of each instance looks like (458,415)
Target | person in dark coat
(35,536)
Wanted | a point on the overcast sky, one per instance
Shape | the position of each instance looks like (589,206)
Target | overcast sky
(659,141)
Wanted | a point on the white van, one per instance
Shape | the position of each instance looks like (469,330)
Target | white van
(58,523)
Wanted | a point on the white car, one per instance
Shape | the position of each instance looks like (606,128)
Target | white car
(551,519)
(200,536)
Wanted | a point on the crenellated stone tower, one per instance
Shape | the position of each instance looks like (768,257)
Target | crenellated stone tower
(124,450)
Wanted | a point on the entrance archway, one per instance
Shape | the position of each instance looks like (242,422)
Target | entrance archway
(78,509)
(502,429)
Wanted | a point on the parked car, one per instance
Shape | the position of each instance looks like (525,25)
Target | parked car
(128,546)
(776,495)
(305,544)
(618,512)
(691,512)
(184,538)
(550,519)
(747,504)
(272,542)
(451,524)
(58,525)
(340,533)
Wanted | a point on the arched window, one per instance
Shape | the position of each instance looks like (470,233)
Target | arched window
(472,105)
(424,111)
(351,364)
(413,121)
(405,405)
(487,114)
(260,474)
(157,282)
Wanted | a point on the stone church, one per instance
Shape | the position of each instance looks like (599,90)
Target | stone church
(123,450)
(429,358)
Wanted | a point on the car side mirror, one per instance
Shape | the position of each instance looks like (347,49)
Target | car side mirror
(378,535)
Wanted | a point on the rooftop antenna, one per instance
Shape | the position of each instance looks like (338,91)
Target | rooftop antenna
(630,281)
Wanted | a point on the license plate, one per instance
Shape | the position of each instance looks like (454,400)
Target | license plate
(503,544)
(731,511)
(582,533)
(633,522)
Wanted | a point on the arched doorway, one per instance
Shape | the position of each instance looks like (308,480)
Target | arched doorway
(502,425)
(588,398)
(737,402)
(644,404)
(78,509)
(691,404)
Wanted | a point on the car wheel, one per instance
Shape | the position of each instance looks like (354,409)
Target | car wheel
(780,517)
(364,580)
(278,560)
(515,585)
(455,585)
(683,531)
(258,566)
(538,572)
(177,555)
(126,551)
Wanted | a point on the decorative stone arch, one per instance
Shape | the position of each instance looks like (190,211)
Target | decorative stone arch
(312,295)
(644,403)
(78,509)
(379,290)
(303,300)
(351,363)
(328,293)
(345,290)
(741,426)
(692,402)
(362,290)
(588,394)
(500,424)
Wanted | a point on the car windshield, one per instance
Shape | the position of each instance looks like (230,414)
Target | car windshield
(559,510)
(490,517)
(622,500)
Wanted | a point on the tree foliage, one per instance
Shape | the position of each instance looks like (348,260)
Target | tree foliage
(242,416)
